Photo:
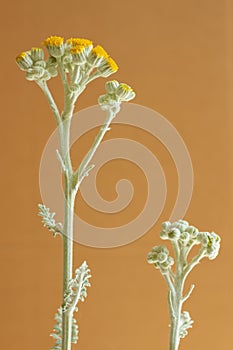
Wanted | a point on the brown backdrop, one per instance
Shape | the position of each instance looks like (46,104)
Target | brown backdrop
(178,57)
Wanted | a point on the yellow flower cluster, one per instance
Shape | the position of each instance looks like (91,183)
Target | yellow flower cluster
(76,51)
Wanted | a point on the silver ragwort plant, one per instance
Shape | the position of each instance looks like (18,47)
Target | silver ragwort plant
(183,238)
(78,63)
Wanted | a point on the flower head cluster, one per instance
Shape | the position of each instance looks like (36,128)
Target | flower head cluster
(72,53)
(36,68)
(187,235)
(115,94)
(159,256)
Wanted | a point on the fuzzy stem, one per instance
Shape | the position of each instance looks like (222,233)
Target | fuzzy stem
(67,258)
(175,315)
(71,185)
(79,174)
(69,199)
(44,87)
(177,299)
(176,294)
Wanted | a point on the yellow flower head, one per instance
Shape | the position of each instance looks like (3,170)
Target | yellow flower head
(55,46)
(79,42)
(55,41)
(125,92)
(99,51)
(24,60)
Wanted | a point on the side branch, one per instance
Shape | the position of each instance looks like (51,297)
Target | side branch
(44,87)
(83,168)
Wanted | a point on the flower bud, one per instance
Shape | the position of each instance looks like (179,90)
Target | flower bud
(213,245)
(111,86)
(163,235)
(37,54)
(193,231)
(151,258)
(166,224)
(24,60)
(182,225)
(125,92)
(162,257)
(202,237)
(174,234)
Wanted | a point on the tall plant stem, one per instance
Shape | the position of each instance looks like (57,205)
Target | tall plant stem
(69,200)
(72,181)
(67,258)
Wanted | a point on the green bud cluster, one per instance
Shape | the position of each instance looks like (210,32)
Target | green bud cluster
(36,68)
(159,256)
(187,236)
(115,94)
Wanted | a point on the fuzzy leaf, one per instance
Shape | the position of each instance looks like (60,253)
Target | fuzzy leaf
(57,331)
(48,220)
(77,289)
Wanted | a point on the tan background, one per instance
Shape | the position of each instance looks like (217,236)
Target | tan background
(178,57)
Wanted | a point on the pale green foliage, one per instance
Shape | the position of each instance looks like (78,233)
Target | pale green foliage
(77,288)
(185,323)
(77,291)
(48,220)
(57,331)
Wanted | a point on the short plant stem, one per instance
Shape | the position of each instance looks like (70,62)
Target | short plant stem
(176,301)
(175,297)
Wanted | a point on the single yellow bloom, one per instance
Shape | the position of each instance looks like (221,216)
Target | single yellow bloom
(79,42)
(56,41)
(99,51)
